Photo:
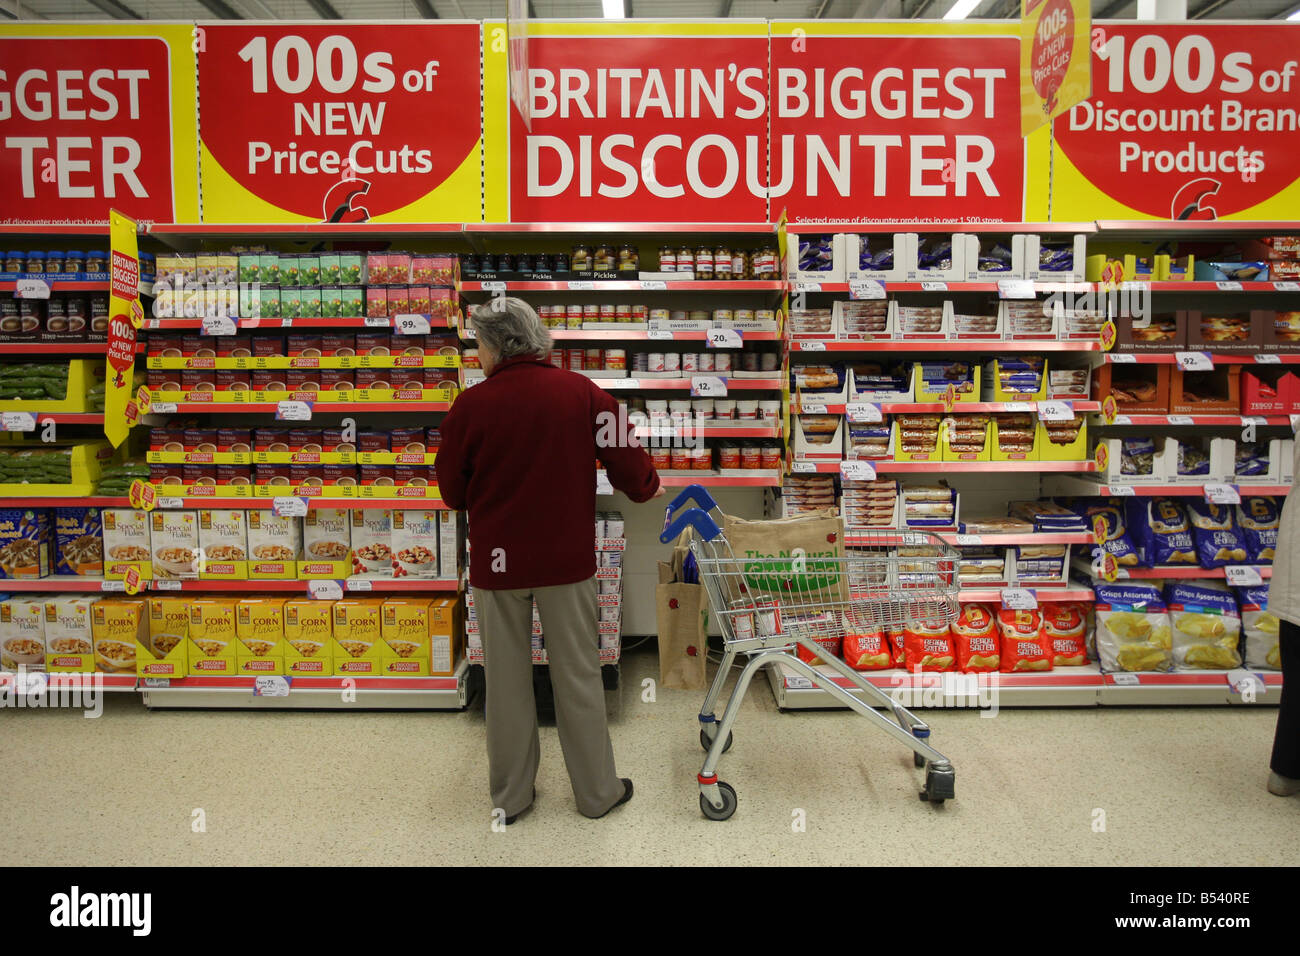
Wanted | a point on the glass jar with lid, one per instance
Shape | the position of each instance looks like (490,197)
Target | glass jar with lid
(580,258)
(35,262)
(685,259)
(14,261)
(667,259)
(722,263)
(75,262)
(629,259)
(54,263)
(704,262)
(603,258)
(96,261)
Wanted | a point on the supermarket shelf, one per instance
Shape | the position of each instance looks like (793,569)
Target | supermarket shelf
(904,408)
(667,384)
(1218,358)
(1185,227)
(812,285)
(1083,486)
(643,228)
(318,408)
(955,347)
(407,693)
(1182,571)
(81,229)
(1046,593)
(992,467)
(711,479)
(1231,420)
(641,335)
(314,322)
(70,285)
(70,682)
(68,418)
(638,285)
(723,431)
(812,228)
(364,582)
(215,501)
(1062,687)
(58,348)
(857,537)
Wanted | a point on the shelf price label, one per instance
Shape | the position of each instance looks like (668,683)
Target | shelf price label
(811,346)
(656,335)
(708,386)
(170,503)
(31,289)
(1121,358)
(1194,361)
(217,325)
(1015,289)
(863,412)
(112,586)
(1228,286)
(378,322)
(165,584)
(654,285)
(869,289)
(1019,599)
(290,411)
(289,507)
(725,339)
(1222,494)
(360,584)
(581,285)
(967,540)
(933,286)
(271,686)
(157,682)
(1286,286)
(1126,680)
(1267,358)
(803,467)
(1121,491)
(493,285)
(1018,406)
(17,422)
(1181,420)
(411,324)
(854,469)
(802,286)
(1242,576)
(806,408)
(325,590)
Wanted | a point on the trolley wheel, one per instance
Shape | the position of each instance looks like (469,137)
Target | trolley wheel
(728,803)
(939,785)
(917,759)
(707,744)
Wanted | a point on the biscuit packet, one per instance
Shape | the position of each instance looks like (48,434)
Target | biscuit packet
(975,637)
(1024,644)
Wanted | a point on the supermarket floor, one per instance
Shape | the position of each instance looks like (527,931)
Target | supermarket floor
(1177,786)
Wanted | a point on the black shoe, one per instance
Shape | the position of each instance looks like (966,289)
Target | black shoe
(510,820)
(627,795)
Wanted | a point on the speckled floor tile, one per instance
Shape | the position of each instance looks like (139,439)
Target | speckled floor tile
(1178,786)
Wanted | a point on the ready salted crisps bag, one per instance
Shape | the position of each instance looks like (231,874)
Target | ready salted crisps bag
(1260,626)
(1206,625)
(975,635)
(1024,643)
(928,646)
(1065,625)
(865,650)
(1132,627)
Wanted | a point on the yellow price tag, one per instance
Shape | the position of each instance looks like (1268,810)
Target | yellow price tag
(1109,409)
(1099,529)
(1109,568)
(131,582)
(142,496)
(1108,335)
(1102,456)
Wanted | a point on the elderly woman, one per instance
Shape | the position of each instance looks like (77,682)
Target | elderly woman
(518,453)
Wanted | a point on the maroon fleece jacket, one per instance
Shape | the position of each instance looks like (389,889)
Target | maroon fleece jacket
(518,453)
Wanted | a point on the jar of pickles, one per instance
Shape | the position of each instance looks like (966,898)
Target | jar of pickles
(704,263)
(685,259)
(722,263)
(602,259)
(580,258)
(667,259)
(629,260)
(739,264)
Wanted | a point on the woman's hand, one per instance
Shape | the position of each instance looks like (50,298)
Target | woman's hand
(661,492)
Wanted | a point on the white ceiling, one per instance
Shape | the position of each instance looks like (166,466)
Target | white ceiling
(566,9)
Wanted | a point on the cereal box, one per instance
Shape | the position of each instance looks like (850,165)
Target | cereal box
(259,625)
(79,541)
(274,545)
(126,542)
(162,650)
(415,544)
(223,541)
(212,637)
(326,544)
(405,627)
(22,634)
(308,628)
(357,641)
(69,640)
(24,543)
(447,545)
(174,539)
(372,541)
(117,627)
(445,630)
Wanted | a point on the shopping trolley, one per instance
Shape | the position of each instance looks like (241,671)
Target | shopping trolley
(768,606)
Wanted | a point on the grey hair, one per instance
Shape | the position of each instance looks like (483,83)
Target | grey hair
(511,328)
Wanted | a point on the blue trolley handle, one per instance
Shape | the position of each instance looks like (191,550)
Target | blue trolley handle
(698,518)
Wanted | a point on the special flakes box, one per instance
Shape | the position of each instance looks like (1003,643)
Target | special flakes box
(174,540)
(326,544)
(22,634)
(69,637)
(274,545)
(223,539)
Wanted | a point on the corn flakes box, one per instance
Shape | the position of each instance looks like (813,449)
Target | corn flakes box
(212,638)
(162,650)
(308,633)
(405,626)
(446,635)
(118,626)
(357,639)
(259,627)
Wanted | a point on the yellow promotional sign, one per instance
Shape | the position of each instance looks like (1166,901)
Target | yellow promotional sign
(1055,60)
(124,291)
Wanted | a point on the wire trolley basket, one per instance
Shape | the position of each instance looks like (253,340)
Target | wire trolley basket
(768,606)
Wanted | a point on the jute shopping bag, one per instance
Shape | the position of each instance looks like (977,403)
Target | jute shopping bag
(797,558)
(682,611)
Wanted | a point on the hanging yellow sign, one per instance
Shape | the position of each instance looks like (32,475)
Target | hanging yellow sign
(1055,59)
(124,289)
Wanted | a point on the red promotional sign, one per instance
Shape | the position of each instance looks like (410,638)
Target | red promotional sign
(1188,121)
(124,277)
(641,128)
(87,124)
(338,124)
(896,128)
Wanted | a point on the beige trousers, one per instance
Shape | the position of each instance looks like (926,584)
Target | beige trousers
(569,615)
